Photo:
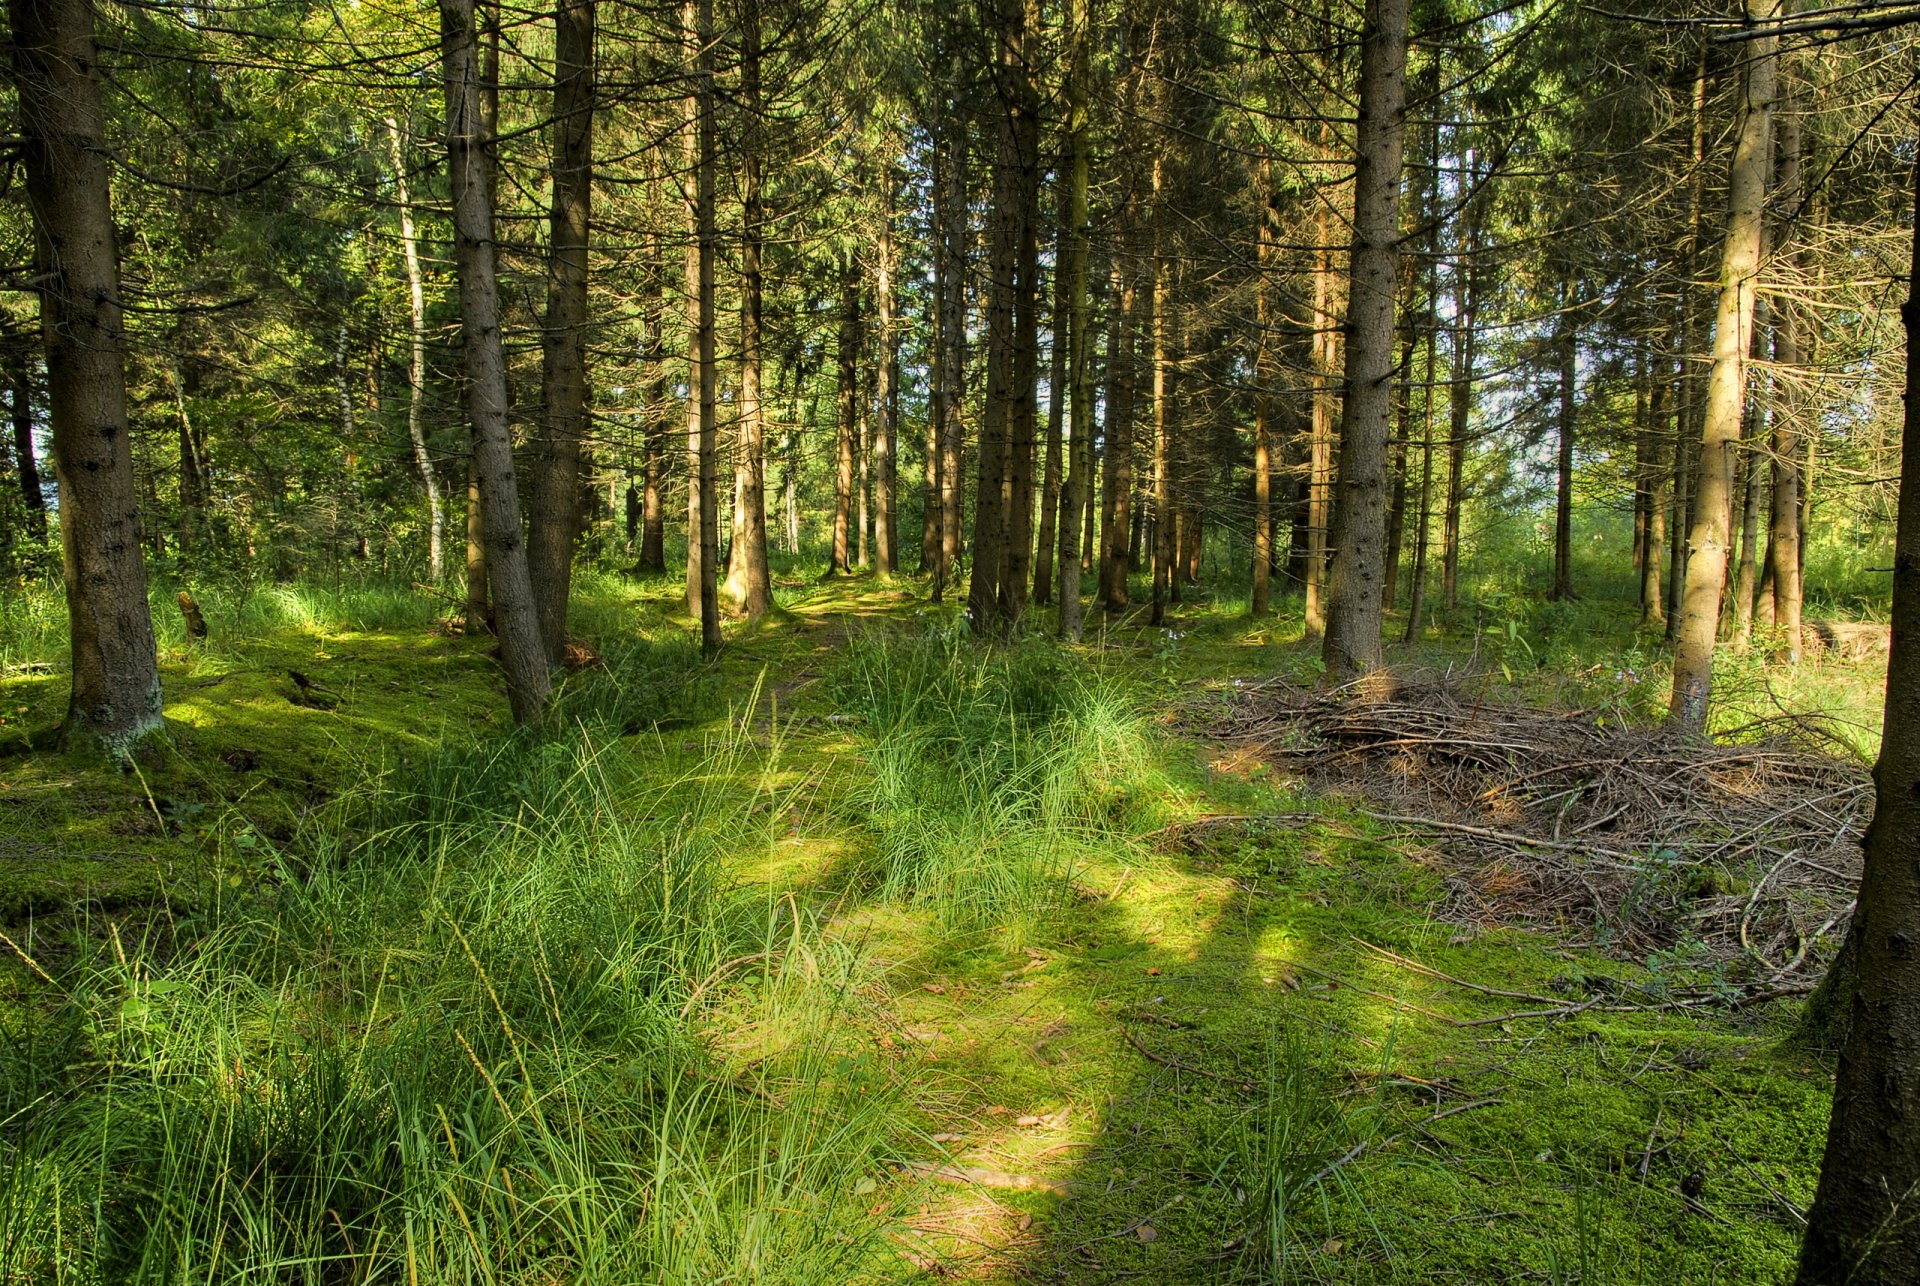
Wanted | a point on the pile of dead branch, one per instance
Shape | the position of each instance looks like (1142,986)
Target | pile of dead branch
(1647,840)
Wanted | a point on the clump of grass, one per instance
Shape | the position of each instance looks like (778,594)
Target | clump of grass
(456,1038)
(1288,1147)
(990,774)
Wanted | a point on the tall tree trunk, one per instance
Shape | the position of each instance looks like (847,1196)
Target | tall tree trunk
(863,458)
(847,426)
(1860,1229)
(1320,446)
(1399,445)
(703,498)
(1352,645)
(886,408)
(940,165)
(1159,295)
(1788,353)
(1417,596)
(469,160)
(951,248)
(1044,569)
(1264,379)
(1690,401)
(1751,494)
(1466,295)
(563,340)
(1024,360)
(1726,390)
(749,581)
(995,525)
(1651,599)
(1122,382)
(417,360)
(653,428)
(1563,473)
(116,696)
(1079,315)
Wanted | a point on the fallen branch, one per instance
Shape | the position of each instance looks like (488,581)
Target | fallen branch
(1179,1066)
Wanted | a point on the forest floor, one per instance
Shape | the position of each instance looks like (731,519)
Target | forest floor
(1242,1032)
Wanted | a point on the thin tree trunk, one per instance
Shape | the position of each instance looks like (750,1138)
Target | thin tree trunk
(1466,287)
(952,250)
(703,498)
(1352,645)
(1320,450)
(886,408)
(1689,402)
(1417,596)
(563,340)
(1024,360)
(653,429)
(469,160)
(1563,489)
(1264,378)
(863,456)
(478,614)
(1789,352)
(1159,294)
(1652,610)
(1752,493)
(116,697)
(1399,441)
(749,582)
(1079,316)
(1044,569)
(417,360)
(848,422)
(1860,1229)
(1117,484)
(1726,391)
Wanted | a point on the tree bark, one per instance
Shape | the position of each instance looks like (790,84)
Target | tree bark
(1023,101)
(1320,445)
(116,698)
(703,500)
(1788,353)
(1159,295)
(653,428)
(1079,315)
(848,421)
(1726,389)
(1052,474)
(1860,1229)
(1652,601)
(563,340)
(1563,472)
(469,159)
(749,580)
(1466,294)
(886,403)
(1352,645)
(1117,485)
(417,360)
(1264,378)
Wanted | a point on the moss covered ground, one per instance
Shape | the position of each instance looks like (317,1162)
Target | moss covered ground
(1241,1053)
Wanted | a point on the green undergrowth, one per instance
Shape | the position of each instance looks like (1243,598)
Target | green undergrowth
(711,981)
(456,1033)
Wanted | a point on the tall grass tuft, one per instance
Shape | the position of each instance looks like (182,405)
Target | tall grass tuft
(991,775)
(457,1039)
